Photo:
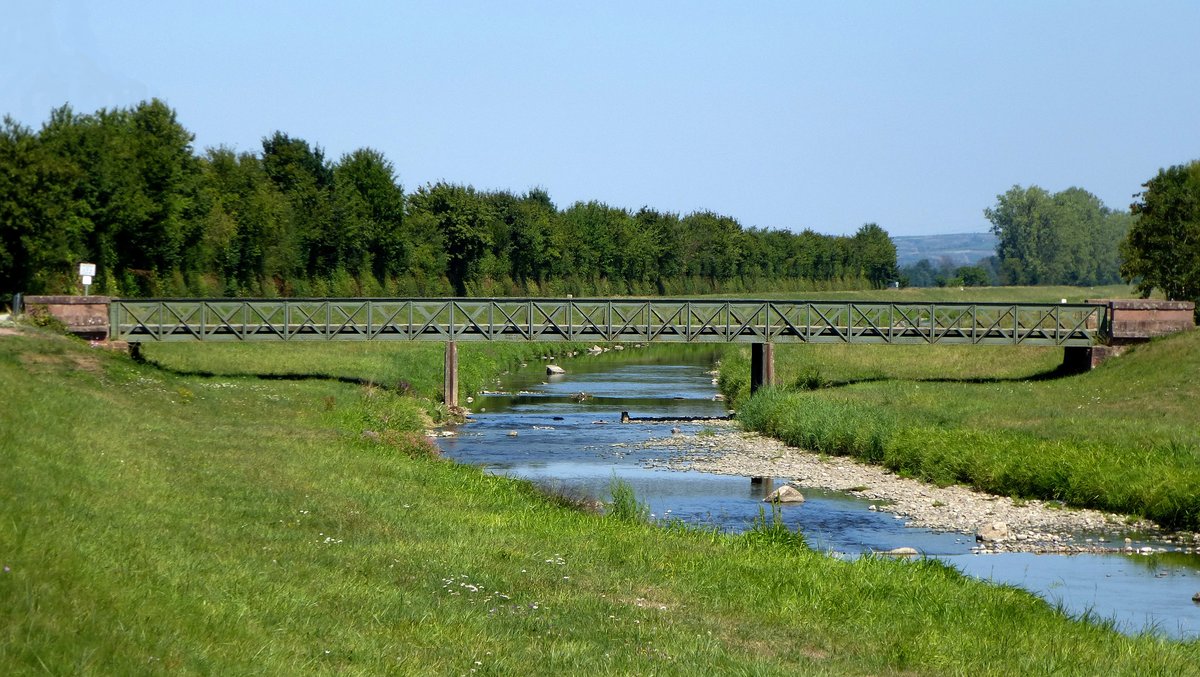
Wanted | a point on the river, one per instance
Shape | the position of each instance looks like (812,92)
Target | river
(535,427)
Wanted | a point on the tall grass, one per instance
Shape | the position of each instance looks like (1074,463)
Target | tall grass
(1125,437)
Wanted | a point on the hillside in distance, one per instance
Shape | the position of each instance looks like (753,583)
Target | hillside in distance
(960,249)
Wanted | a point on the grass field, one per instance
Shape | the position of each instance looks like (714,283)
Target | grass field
(961,294)
(158,523)
(1124,437)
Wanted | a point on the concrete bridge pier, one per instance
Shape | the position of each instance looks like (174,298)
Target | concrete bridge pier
(450,373)
(762,365)
(762,486)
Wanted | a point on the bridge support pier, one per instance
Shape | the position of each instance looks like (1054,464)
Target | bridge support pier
(762,486)
(450,372)
(762,365)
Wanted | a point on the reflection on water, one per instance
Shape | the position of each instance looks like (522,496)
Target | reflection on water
(580,447)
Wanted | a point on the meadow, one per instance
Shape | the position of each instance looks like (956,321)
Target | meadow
(160,522)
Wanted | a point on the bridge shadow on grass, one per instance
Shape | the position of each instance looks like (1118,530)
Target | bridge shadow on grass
(401,387)
(1048,375)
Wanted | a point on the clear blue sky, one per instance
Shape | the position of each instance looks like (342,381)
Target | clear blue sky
(913,115)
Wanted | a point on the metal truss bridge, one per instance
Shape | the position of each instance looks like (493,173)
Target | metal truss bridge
(606,320)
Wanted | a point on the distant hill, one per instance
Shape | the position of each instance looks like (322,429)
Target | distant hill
(960,249)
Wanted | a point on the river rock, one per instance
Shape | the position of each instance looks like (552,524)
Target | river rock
(993,532)
(1196,598)
(552,369)
(595,350)
(785,494)
(512,433)
(901,552)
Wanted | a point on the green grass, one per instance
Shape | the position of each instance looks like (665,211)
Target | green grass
(415,367)
(1123,437)
(959,294)
(153,523)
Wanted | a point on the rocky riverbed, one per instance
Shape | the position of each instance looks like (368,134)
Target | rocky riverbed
(999,523)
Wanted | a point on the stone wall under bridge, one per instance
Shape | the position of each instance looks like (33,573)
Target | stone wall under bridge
(1131,321)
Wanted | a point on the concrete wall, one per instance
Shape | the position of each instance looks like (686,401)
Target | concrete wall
(1136,320)
(86,316)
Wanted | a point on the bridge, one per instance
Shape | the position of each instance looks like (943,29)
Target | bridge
(761,323)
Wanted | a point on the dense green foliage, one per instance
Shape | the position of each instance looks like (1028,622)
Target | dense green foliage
(1122,437)
(1162,250)
(164,524)
(124,189)
(1068,237)
(924,273)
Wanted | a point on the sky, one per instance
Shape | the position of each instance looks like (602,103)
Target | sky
(783,115)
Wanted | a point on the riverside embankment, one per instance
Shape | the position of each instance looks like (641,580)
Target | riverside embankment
(1124,437)
(163,522)
(699,472)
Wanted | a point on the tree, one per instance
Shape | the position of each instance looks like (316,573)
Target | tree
(972,276)
(462,218)
(41,231)
(874,254)
(532,255)
(1025,237)
(1162,249)
(1068,237)
(369,214)
(301,173)
(244,234)
(135,182)
(920,274)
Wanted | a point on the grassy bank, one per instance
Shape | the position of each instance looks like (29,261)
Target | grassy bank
(401,366)
(1124,437)
(157,523)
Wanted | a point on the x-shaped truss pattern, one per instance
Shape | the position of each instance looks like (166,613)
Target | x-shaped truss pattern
(633,320)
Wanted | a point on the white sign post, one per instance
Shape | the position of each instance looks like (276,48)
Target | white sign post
(87,271)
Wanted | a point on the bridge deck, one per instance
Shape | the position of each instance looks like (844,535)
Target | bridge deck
(624,320)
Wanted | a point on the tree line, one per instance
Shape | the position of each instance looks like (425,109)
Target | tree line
(124,189)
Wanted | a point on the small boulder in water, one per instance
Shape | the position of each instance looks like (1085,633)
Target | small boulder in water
(512,433)
(785,494)
(901,552)
(992,532)
(553,369)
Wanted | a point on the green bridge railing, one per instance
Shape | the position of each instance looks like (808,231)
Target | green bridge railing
(622,320)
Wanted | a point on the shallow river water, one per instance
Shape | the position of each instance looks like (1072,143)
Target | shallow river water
(580,447)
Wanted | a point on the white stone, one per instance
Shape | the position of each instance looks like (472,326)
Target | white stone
(785,494)
(555,369)
(992,532)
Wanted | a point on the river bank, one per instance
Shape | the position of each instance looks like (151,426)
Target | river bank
(160,522)
(1122,438)
(1031,525)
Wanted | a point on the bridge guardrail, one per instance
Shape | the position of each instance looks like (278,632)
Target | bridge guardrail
(605,320)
